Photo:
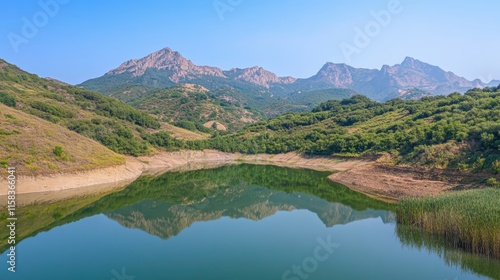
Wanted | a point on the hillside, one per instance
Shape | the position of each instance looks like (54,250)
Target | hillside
(460,132)
(30,144)
(166,68)
(114,124)
(191,106)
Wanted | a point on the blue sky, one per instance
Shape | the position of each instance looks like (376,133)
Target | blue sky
(75,40)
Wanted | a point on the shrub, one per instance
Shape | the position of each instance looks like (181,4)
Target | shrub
(496,166)
(493,182)
(7,99)
(58,151)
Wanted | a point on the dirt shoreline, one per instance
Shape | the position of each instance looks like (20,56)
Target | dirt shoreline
(363,175)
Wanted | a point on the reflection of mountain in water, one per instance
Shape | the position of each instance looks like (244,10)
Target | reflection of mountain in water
(239,200)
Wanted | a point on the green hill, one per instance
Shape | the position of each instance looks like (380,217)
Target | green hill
(111,122)
(455,132)
(192,106)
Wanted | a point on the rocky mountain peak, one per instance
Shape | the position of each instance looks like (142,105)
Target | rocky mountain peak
(411,63)
(258,75)
(338,75)
(166,59)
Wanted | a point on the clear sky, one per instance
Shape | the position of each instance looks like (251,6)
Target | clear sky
(75,40)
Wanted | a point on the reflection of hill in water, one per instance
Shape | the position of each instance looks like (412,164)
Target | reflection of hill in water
(240,198)
(181,198)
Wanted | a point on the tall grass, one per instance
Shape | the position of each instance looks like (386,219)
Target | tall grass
(468,219)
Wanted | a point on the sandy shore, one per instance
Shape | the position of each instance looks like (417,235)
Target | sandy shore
(363,175)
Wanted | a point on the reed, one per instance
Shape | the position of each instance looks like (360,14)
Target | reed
(469,220)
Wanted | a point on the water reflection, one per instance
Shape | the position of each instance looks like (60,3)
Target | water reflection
(415,238)
(228,218)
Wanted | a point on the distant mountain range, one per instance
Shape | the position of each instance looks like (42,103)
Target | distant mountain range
(166,68)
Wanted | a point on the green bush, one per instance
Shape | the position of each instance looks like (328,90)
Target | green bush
(58,151)
(496,166)
(8,99)
(54,110)
(493,182)
(111,134)
(186,125)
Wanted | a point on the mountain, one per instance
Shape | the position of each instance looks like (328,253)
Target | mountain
(390,81)
(412,73)
(338,76)
(493,83)
(166,60)
(258,76)
(166,68)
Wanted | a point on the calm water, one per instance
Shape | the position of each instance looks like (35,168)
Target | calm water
(234,222)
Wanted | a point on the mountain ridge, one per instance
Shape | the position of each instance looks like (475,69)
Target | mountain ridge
(167,67)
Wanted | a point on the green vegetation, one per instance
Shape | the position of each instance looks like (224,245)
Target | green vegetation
(115,135)
(469,220)
(58,151)
(451,132)
(193,126)
(7,99)
(191,106)
(493,182)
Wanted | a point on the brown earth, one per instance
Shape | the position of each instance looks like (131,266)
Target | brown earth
(388,183)
(219,125)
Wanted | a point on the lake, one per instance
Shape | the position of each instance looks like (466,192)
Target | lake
(232,222)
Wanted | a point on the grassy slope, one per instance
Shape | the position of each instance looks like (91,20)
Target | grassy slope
(106,120)
(28,143)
